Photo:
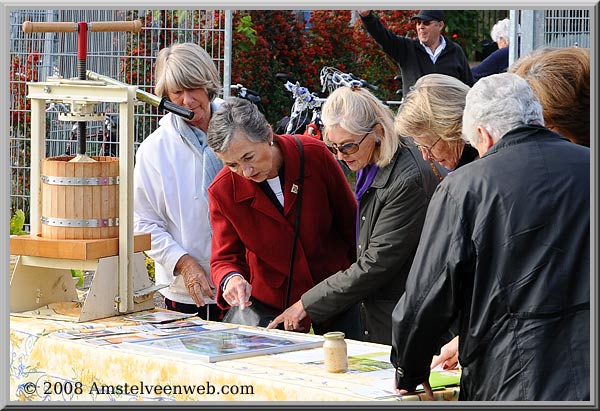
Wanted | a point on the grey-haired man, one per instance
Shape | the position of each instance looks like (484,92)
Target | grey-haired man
(430,53)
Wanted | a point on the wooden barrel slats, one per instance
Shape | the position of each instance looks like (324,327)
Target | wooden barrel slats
(80,200)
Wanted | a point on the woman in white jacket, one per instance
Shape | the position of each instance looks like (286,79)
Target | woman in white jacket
(174,167)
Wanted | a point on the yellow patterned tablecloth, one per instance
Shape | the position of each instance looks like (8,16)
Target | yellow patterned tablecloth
(46,368)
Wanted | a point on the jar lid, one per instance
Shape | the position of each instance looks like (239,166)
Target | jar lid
(334,335)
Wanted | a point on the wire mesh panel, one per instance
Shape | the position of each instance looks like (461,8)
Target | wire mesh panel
(127,57)
(566,28)
(553,28)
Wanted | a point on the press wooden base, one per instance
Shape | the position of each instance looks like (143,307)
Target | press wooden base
(42,275)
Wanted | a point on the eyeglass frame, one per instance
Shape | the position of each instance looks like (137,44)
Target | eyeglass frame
(423,147)
(334,148)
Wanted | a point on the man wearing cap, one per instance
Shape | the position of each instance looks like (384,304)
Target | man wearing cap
(431,53)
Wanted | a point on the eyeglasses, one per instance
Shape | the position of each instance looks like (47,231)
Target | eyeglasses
(347,148)
(427,150)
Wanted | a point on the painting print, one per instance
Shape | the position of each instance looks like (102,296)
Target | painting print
(219,345)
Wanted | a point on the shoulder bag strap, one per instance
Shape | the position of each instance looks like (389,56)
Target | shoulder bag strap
(297,223)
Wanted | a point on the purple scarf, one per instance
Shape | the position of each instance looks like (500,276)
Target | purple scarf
(364,179)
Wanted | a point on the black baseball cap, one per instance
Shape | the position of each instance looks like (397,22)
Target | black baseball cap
(428,15)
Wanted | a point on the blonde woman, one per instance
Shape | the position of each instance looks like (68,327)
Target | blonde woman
(393,188)
(431,116)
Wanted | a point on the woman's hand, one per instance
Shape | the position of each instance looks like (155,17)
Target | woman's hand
(448,356)
(195,279)
(238,292)
(290,318)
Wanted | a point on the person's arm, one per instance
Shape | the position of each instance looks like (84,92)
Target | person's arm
(392,44)
(228,254)
(495,63)
(392,242)
(430,303)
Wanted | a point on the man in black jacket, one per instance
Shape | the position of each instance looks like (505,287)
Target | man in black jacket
(505,253)
(431,53)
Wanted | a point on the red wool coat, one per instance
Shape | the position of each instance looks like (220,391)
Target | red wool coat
(252,237)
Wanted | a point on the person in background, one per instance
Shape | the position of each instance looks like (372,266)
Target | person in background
(253,203)
(560,77)
(505,251)
(496,62)
(393,188)
(430,53)
(173,169)
(431,115)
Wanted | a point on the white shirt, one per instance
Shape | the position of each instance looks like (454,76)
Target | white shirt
(435,54)
(275,185)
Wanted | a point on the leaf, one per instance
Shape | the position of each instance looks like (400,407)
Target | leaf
(17,222)
(78,274)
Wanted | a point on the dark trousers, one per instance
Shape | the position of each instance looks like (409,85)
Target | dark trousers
(210,312)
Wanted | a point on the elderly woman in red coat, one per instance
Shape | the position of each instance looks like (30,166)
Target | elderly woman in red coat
(253,203)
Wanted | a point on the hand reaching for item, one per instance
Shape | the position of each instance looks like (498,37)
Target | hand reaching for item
(238,292)
(448,357)
(290,318)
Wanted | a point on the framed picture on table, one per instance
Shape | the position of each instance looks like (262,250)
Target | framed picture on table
(227,344)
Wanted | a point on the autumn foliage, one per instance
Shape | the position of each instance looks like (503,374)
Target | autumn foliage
(284,43)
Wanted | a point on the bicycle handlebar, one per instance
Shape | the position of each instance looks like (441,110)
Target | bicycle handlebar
(246,93)
(332,78)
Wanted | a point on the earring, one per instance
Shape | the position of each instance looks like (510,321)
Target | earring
(271,143)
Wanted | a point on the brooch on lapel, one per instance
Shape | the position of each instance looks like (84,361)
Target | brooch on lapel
(294,189)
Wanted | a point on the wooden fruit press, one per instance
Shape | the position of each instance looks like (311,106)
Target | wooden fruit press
(81,206)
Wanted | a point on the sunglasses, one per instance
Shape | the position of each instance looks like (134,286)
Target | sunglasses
(425,23)
(347,148)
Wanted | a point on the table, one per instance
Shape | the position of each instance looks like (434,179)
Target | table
(46,368)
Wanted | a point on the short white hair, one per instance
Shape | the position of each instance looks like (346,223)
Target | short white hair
(501,30)
(500,103)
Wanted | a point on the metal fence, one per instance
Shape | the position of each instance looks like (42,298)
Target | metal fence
(549,28)
(126,57)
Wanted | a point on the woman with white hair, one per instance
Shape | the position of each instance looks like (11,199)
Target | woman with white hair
(497,62)
(393,188)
